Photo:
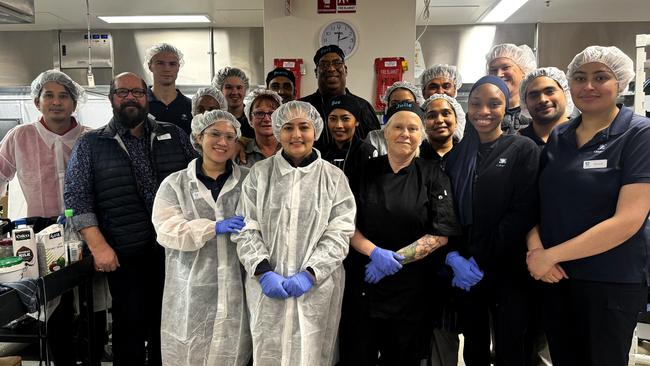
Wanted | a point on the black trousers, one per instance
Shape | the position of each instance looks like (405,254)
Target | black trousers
(60,332)
(136,288)
(506,305)
(363,338)
(591,323)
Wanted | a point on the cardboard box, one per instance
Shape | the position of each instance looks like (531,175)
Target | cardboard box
(52,254)
(11,361)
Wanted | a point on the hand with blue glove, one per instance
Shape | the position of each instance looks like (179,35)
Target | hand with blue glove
(466,272)
(271,283)
(386,261)
(230,225)
(373,274)
(298,284)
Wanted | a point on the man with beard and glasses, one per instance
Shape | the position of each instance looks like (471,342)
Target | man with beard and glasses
(110,182)
(331,73)
(166,102)
(545,92)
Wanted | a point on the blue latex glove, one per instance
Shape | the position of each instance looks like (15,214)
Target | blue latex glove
(474,267)
(386,261)
(373,274)
(298,284)
(466,273)
(271,283)
(456,283)
(230,225)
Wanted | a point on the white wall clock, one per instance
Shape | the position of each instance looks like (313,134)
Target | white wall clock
(342,34)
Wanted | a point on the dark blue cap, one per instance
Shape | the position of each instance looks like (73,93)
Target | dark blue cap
(405,106)
(332,48)
(496,81)
(280,71)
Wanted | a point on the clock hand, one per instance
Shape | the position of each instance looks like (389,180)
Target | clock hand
(344,38)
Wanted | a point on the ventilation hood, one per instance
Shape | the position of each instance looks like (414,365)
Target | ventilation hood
(17,12)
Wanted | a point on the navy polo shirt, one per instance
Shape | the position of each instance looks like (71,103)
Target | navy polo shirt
(579,188)
(178,112)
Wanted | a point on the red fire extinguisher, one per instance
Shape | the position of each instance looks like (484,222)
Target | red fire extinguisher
(294,65)
(387,71)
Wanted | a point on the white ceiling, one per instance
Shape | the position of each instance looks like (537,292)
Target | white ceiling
(71,14)
(447,12)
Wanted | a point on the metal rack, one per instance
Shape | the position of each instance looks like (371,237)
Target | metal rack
(78,274)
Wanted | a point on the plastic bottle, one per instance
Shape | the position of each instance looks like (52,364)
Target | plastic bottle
(72,238)
(24,243)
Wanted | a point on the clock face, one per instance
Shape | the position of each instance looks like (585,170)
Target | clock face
(341,34)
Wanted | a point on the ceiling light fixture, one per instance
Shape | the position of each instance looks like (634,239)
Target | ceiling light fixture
(502,11)
(155,19)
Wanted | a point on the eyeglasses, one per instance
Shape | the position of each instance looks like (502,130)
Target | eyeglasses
(123,92)
(260,114)
(229,137)
(324,65)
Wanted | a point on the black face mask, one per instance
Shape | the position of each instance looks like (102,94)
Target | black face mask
(127,117)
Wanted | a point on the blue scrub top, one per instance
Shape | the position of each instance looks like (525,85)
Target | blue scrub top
(579,188)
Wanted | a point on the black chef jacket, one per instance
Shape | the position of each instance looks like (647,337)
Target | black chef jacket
(505,205)
(353,155)
(393,211)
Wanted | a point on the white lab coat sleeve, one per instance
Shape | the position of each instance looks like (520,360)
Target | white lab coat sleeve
(173,229)
(250,246)
(334,244)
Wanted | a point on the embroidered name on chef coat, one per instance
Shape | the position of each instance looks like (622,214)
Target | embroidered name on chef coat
(594,164)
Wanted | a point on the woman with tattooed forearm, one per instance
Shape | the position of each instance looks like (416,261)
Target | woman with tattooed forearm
(404,214)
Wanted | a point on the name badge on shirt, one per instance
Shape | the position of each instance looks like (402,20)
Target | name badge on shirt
(164,137)
(594,164)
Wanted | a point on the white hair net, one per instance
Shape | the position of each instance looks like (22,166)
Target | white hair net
(161,48)
(617,61)
(296,109)
(226,72)
(458,110)
(210,91)
(551,72)
(417,93)
(522,56)
(441,71)
(202,121)
(253,95)
(76,91)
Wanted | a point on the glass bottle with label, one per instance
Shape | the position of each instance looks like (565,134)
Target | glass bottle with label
(72,239)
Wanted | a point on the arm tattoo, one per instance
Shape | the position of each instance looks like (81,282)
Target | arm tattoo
(421,248)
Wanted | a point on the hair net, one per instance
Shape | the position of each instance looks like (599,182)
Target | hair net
(551,72)
(202,121)
(417,93)
(212,92)
(441,71)
(226,72)
(522,56)
(161,48)
(77,93)
(617,61)
(253,95)
(458,110)
(296,109)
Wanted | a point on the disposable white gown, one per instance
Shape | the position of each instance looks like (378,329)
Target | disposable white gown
(38,157)
(295,218)
(204,318)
